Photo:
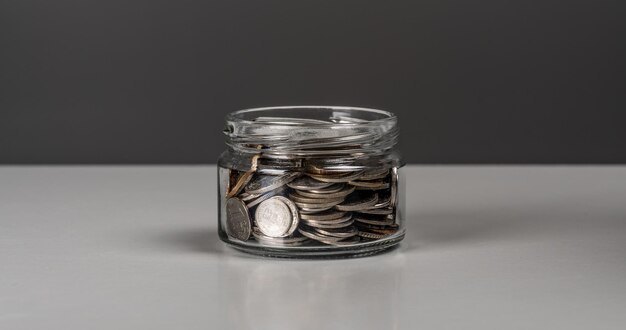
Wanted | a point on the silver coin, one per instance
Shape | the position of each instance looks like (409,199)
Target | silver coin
(307,183)
(342,219)
(341,193)
(312,234)
(273,217)
(382,202)
(365,234)
(319,206)
(381,187)
(264,183)
(325,216)
(333,188)
(388,230)
(246,197)
(366,183)
(271,171)
(369,185)
(374,174)
(313,210)
(329,225)
(335,178)
(289,240)
(264,197)
(341,233)
(295,216)
(238,223)
(374,221)
(296,197)
(355,204)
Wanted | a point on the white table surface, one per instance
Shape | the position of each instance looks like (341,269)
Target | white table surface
(487,248)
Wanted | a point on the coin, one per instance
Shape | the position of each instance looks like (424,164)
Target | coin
(341,219)
(295,216)
(341,193)
(371,235)
(368,227)
(320,199)
(279,241)
(366,183)
(273,217)
(329,224)
(264,183)
(369,185)
(355,203)
(335,178)
(382,202)
(374,174)
(312,234)
(313,210)
(264,197)
(340,233)
(237,219)
(333,188)
(373,220)
(307,183)
(241,182)
(320,206)
(246,197)
(382,231)
(329,215)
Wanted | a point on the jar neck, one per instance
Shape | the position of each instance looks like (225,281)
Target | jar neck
(313,132)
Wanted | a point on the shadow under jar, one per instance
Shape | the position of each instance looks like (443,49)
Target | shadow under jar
(311,181)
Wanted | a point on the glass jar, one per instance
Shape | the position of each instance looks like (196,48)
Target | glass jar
(311,181)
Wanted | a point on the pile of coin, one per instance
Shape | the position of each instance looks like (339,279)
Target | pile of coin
(312,206)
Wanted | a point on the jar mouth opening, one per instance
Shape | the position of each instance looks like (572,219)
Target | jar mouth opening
(319,116)
(311,131)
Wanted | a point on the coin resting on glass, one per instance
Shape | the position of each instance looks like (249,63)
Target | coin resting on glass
(311,181)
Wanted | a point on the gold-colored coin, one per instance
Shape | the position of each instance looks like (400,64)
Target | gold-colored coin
(241,182)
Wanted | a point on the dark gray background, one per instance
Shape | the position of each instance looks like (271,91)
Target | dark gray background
(472,81)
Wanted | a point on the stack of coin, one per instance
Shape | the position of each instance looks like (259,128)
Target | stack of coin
(329,227)
(378,219)
(335,206)
(317,195)
(294,240)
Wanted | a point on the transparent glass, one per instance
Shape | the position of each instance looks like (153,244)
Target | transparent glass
(311,181)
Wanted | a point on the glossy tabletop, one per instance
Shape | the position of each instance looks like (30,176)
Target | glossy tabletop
(487,247)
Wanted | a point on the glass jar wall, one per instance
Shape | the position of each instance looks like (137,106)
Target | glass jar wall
(311,181)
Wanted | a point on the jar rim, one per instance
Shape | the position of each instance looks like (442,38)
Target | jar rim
(386,116)
(312,131)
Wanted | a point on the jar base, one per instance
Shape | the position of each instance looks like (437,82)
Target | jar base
(318,252)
